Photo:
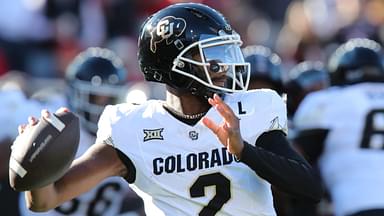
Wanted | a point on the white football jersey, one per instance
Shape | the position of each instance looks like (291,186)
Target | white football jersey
(185,170)
(353,156)
(105,199)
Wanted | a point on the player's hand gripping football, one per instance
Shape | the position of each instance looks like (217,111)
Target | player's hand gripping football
(32,121)
(44,149)
(228,131)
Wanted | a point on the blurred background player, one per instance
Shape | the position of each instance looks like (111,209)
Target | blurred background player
(266,71)
(345,124)
(304,78)
(95,78)
(301,80)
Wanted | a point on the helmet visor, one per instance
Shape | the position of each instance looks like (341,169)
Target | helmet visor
(226,58)
(216,55)
(89,101)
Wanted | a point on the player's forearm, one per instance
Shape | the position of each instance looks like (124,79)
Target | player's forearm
(42,199)
(283,168)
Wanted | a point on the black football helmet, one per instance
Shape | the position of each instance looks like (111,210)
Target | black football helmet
(305,77)
(357,60)
(182,44)
(96,78)
(265,66)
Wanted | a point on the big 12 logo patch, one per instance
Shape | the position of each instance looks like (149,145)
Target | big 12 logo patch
(169,29)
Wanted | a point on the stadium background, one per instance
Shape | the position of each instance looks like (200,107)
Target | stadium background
(38,38)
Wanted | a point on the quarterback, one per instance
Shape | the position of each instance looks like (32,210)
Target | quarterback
(210,148)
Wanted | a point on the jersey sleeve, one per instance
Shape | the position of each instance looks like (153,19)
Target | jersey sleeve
(111,121)
(264,110)
(111,131)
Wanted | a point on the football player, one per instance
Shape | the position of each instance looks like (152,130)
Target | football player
(304,78)
(266,71)
(345,124)
(209,148)
(95,78)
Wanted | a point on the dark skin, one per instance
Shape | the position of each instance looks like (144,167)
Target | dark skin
(100,161)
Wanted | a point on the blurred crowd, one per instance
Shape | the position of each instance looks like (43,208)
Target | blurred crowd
(39,39)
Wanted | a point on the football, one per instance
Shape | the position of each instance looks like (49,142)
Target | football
(42,154)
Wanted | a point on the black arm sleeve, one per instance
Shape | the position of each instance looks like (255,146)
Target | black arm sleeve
(311,143)
(273,159)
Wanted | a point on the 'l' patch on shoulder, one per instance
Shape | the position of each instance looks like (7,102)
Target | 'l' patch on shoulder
(153,134)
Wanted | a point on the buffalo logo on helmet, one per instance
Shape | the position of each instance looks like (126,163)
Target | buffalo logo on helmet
(168,29)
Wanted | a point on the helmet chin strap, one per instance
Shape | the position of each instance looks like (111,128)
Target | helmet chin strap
(203,91)
(198,89)
(194,87)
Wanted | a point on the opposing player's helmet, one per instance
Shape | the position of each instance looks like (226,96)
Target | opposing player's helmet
(182,44)
(305,77)
(357,60)
(265,66)
(96,77)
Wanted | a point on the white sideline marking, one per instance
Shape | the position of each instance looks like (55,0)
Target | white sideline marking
(57,123)
(17,168)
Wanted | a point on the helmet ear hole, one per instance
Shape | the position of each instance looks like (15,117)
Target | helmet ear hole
(183,82)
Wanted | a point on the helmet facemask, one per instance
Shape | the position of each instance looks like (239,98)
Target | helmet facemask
(213,54)
(90,100)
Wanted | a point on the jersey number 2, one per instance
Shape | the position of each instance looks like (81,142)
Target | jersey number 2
(223,192)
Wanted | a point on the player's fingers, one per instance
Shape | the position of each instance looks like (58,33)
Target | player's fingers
(45,113)
(211,125)
(62,109)
(216,129)
(21,128)
(233,132)
(217,106)
(216,101)
(220,102)
(225,111)
(212,102)
(32,120)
